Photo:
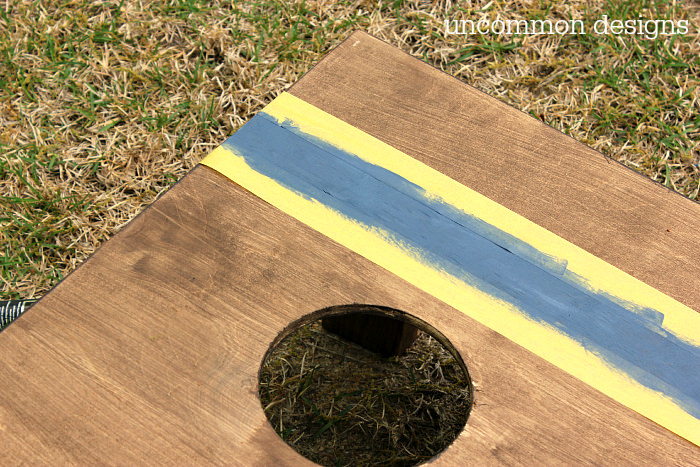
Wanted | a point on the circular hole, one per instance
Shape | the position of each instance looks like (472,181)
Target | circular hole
(338,403)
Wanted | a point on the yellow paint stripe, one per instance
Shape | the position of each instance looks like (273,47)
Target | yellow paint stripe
(544,341)
(600,276)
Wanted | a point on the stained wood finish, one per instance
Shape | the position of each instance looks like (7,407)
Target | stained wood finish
(532,169)
(151,349)
(149,352)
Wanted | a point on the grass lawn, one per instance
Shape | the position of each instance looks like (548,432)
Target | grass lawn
(105,104)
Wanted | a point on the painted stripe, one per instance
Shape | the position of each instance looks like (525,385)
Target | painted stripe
(592,320)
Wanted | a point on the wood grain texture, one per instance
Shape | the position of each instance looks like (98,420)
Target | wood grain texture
(149,352)
(506,272)
(530,168)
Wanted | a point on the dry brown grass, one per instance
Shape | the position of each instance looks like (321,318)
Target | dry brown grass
(103,105)
(338,404)
(106,104)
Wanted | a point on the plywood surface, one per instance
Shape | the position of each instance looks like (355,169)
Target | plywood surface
(514,159)
(149,352)
(590,319)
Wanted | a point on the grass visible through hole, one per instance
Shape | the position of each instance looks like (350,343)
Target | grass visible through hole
(338,404)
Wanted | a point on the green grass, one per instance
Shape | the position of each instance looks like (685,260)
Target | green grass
(339,404)
(105,104)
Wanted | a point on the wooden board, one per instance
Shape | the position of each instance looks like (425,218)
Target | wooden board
(515,160)
(150,350)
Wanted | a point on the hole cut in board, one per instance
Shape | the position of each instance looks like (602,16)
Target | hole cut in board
(337,403)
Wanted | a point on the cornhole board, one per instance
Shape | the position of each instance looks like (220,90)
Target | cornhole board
(567,282)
